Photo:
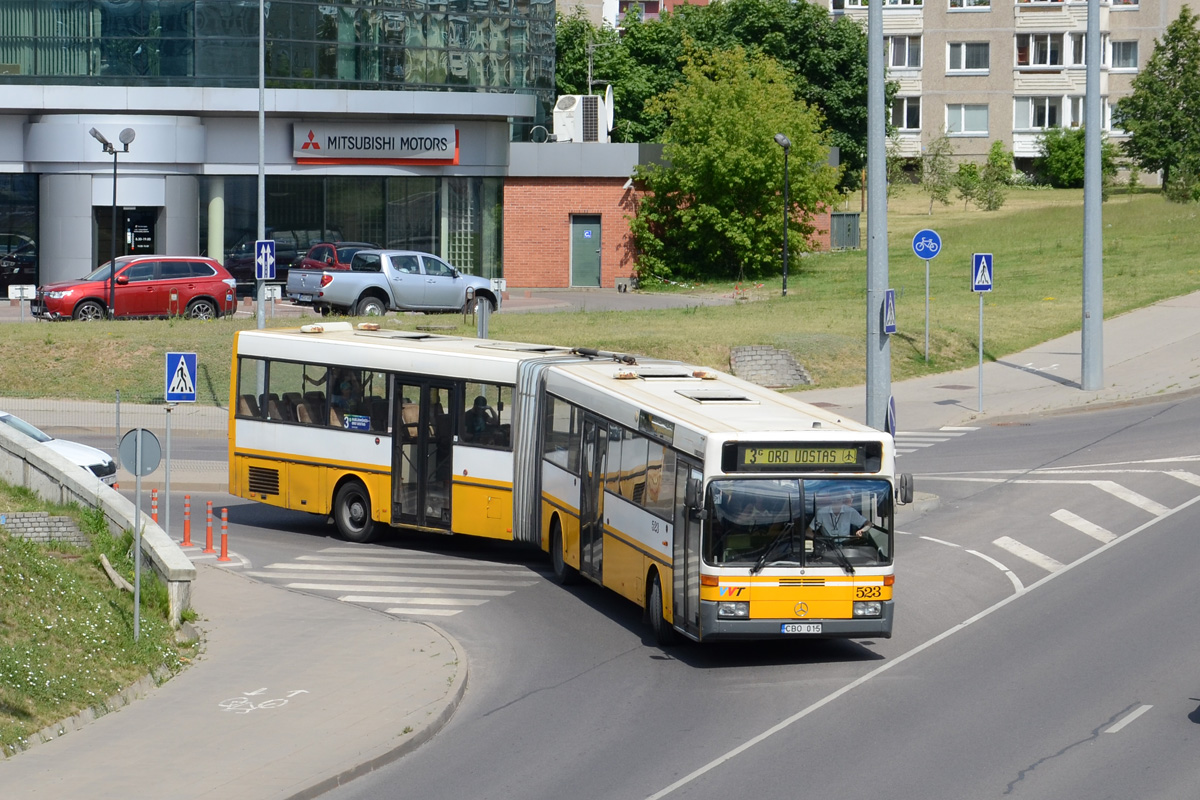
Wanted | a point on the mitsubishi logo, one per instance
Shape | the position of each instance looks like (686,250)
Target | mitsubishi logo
(801,609)
(312,142)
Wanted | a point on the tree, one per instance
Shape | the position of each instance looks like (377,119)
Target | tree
(995,177)
(966,181)
(1061,163)
(937,179)
(826,56)
(715,209)
(1162,115)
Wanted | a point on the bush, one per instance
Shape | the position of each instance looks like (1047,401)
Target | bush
(1063,155)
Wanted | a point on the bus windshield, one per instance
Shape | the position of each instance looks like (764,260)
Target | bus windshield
(840,523)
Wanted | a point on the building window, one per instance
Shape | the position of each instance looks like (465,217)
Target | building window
(960,4)
(906,113)
(904,52)
(1037,113)
(967,119)
(1079,49)
(886,3)
(968,57)
(1078,108)
(1039,50)
(1124,55)
(1126,3)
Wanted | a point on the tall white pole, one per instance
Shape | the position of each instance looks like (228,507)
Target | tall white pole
(262,154)
(1092,333)
(879,351)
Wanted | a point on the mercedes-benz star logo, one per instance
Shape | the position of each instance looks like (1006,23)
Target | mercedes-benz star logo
(801,609)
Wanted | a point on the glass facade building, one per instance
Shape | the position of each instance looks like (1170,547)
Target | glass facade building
(184,75)
(469,45)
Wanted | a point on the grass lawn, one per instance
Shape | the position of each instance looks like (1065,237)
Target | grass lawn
(66,633)
(1150,249)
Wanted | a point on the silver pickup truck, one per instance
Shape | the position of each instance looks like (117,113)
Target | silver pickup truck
(390,280)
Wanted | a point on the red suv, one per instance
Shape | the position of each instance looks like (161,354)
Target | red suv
(328,255)
(147,286)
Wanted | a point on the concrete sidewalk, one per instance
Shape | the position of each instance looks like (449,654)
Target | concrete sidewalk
(291,696)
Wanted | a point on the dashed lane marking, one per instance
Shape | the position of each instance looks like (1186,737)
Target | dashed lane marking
(356,587)
(911,441)
(1132,497)
(1028,554)
(1084,526)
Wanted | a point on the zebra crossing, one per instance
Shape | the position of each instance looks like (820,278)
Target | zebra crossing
(912,441)
(403,582)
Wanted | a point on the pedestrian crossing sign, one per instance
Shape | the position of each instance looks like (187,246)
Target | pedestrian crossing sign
(889,311)
(981,272)
(181,378)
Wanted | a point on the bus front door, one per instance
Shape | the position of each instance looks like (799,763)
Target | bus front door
(689,481)
(591,498)
(423,446)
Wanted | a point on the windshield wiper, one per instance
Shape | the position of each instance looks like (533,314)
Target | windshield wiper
(842,560)
(762,560)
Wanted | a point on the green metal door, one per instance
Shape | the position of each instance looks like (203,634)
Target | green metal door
(585,250)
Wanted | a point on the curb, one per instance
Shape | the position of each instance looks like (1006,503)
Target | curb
(457,691)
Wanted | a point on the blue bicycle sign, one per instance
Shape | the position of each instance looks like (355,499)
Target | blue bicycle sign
(927,244)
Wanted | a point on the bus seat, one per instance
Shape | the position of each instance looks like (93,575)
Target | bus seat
(248,406)
(291,404)
(410,415)
(274,411)
(379,414)
(303,414)
(316,404)
(335,418)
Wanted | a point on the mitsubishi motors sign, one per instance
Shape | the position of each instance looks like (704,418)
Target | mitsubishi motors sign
(341,143)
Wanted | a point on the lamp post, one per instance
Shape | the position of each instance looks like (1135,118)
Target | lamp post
(786,144)
(126,137)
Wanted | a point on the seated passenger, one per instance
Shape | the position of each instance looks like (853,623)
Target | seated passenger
(481,419)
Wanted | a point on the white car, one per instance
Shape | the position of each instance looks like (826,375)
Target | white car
(96,461)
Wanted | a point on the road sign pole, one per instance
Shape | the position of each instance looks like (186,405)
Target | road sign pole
(927,311)
(167,510)
(137,536)
(980,408)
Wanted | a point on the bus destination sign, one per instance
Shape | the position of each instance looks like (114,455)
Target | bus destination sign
(782,457)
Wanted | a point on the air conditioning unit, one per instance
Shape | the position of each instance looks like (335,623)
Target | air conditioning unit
(582,118)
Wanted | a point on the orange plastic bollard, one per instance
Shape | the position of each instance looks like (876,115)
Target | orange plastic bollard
(224,535)
(208,548)
(154,505)
(187,520)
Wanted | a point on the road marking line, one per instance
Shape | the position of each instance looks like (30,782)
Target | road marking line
(382,578)
(1012,576)
(1128,719)
(351,587)
(417,601)
(939,541)
(957,428)
(421,570)
(376,551)
(1132,497)
(1084,526)
(1028,554)
(424,612)
(808,710)
(400,560)
(1183,475)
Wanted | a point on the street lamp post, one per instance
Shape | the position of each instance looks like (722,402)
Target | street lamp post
(786,144)
(126,137)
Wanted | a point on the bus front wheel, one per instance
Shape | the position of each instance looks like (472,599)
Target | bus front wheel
(664,634)
(352,513)
(564,573)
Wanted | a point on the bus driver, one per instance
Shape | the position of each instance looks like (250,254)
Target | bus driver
(838,518)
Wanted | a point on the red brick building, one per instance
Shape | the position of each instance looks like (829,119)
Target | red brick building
(567,207)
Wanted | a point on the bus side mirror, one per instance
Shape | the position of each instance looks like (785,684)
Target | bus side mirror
(904,487)
(697,513)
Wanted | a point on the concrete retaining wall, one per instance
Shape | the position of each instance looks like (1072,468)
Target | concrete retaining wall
(24,462)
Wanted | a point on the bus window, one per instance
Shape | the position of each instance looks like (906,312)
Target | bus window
(285,387)
(633,467)
(487,418)
(561,442)
(612,475)
(660,480)
(251,381)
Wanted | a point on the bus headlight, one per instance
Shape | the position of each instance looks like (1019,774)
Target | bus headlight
(733,610)
(870,608)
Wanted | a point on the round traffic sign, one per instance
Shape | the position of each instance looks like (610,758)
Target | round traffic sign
(151,452)
(927,244)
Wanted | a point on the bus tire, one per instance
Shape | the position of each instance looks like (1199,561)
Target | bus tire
(664,634)
(563,574)
(352,513)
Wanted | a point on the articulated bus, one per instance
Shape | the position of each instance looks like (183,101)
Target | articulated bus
(725,510)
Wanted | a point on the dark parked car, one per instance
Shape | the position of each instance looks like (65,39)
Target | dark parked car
(18,261)
(147,286)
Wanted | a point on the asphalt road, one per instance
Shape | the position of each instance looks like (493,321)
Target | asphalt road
(1065,542)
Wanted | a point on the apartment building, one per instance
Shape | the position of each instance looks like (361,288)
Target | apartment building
(982,70)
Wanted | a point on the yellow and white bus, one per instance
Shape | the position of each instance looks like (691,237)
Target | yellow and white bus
(723,509)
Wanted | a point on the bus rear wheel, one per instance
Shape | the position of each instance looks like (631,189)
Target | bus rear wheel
(664,634)
(564,573)
(352,513)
